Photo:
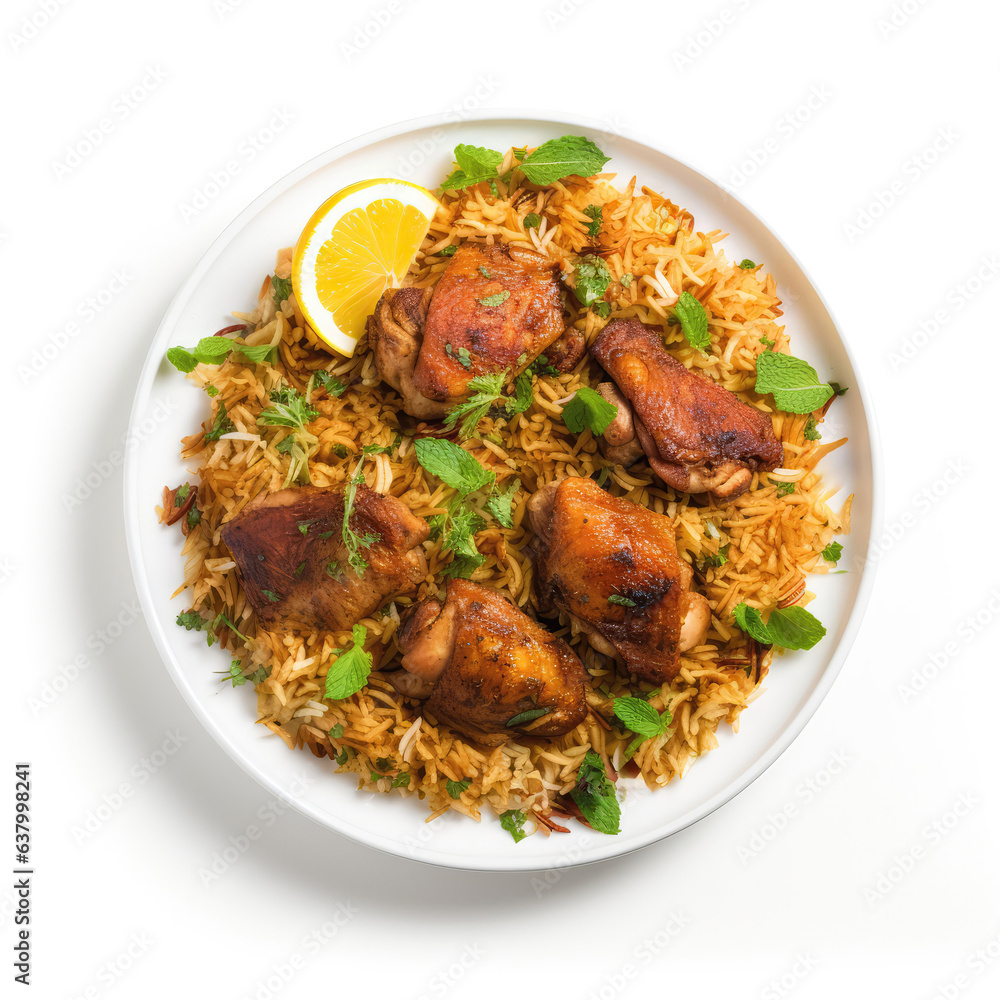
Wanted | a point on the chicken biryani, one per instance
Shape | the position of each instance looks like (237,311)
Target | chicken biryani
(543,531)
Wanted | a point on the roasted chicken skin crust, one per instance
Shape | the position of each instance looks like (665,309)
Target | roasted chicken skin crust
(484,662)
(491,306)
(613,566)
(493,309)
(292,561)
(697,435)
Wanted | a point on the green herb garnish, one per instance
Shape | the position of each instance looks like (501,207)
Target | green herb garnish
(639,716)
(791,628)
(832,552)
(349,672)
(529,716)
(588,409)
(594,213)
(592,279)
(455,788)
(620,599)
(513,822)
(691,315)
(595,795)
(793,383)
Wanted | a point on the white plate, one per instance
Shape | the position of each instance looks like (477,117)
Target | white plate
(167,407)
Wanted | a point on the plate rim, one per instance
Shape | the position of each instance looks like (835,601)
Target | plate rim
(426,855)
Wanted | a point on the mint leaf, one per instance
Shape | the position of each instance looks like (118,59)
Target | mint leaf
(795,628)
(182,359)
(513,822)
(793,383)
(595,795)
(455,788)
(259,354)
(639,716)
(532,220)
(337,731)
(694,320)
(563,157)
(750,621)
(747,264)
(475,164)
(486,390)
(588,409)
(453,465)
(350,670)
(592,279)
(521,718)
(499,505)
(791,628)
(832,552)
(495,300)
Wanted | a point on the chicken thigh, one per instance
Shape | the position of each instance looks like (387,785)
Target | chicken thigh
(487,669)
(494,309)
(293,562)
(697,435)
(613,567)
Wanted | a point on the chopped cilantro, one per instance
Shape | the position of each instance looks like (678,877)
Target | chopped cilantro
(282,289)
(594,213)
(592,279)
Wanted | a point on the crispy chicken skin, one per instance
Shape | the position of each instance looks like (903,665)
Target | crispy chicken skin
(278,545)
(592,547)
(428,343)
(697,436)
(480,661)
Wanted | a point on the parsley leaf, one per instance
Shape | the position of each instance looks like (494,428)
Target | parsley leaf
(455,788)
(524,394)
(595,795)
(282,289)
(453,465)
(192,620)
(352,540)
(563,157)
(499,505)
(532,220)
(720,558)
(810,431)
(329,383)
(592,280)
(494,300)
(475,165)
(832,552)
(693,319)
(289,408)
(791,628)
(595,213)
(486,391)
(513,822)
(588,409)
(221,425)
(639,716)
(349,672)
(747,264)
(793,383)
(460,540)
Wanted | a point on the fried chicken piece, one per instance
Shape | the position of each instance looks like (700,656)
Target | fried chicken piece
(613,566)
(697,436)
(480,662)
(494,309)
(395,331)
(293,563)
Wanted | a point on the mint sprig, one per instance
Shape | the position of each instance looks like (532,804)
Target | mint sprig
(790,628)
(793,383)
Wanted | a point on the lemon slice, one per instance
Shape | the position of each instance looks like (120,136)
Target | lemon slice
(358,242)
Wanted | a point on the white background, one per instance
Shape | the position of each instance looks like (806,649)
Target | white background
(883,878)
